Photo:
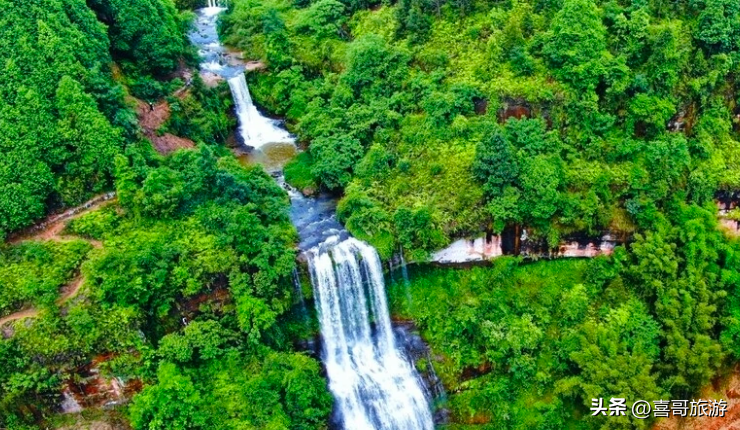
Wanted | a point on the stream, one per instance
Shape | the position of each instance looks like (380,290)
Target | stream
(371,375)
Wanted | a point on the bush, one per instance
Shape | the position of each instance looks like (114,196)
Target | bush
(299,172)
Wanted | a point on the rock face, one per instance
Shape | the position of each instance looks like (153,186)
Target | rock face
(731,226)
(517,111)
(588,250)
(489,247)
(728,201)
(466,250)
(90,389)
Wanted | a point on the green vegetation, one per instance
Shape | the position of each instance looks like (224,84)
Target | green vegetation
(190,291)
(185,227)
(201,113)
(298,172)
(63,117)
(434,120)
(527,346)
(430,121)
(146,36)
(31,273)
(411,108)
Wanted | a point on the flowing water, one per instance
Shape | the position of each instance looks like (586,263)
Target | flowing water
(375,385)
(255,130)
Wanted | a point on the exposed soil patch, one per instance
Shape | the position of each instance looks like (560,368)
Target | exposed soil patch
(517,111)
(70,290)
(210,79)
(152,117)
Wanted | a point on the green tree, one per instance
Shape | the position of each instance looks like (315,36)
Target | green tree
(173,403)
(576,44)
(496,164)
(335,158)
(89,167)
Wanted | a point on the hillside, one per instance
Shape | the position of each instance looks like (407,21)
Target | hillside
(443,119)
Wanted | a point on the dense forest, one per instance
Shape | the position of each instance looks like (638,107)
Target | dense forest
(440,119)
(182,283)
(64,114)
(434,120)
(428,120)
(183,229)
(528,346)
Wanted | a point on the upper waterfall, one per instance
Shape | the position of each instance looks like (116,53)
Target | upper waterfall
(375,386)
(255,129)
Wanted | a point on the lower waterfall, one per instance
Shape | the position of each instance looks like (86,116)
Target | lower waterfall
(375,387)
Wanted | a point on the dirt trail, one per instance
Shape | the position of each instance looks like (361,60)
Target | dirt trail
(69,291)
(51,229)
(52,226)
(28,313)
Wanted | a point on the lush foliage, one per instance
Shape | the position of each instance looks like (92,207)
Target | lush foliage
(194,238)
(416,106)
(63,116)
(201,114)
(298,172)
(431,120)
(146,35)
(527,346)
(31,273)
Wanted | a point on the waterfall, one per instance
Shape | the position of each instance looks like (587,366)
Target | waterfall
(404,270)
(299,300)
(216,63)
(375,387)
(255,129)
(406,282)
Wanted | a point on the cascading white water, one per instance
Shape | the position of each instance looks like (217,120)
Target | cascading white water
(217,63)
(255,129)
(375,387)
